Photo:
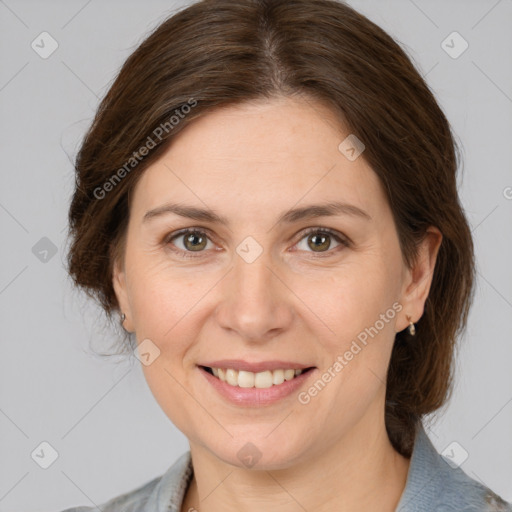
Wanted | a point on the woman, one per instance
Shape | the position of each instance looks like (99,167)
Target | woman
(267,197)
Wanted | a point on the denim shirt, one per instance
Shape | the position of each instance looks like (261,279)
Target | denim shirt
(432,485)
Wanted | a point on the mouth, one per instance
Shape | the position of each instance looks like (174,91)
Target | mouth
(259,380)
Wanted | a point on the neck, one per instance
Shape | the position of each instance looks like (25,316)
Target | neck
(360,471)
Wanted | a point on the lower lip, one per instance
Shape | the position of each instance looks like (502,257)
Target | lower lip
(256,396)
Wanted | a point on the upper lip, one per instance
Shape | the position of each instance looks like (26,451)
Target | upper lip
(239,364)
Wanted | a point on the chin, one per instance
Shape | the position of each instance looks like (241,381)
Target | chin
(258,451)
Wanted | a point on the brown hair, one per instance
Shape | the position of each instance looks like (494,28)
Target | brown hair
(217,53)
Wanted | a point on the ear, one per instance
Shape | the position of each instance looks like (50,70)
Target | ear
(121,291)
(418,279)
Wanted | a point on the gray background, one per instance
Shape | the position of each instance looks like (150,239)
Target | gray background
(99,416)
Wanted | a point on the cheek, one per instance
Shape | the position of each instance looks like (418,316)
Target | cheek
(351,300)
(160,298)
(164,304)
(356,309)
(360,309)
(169,308)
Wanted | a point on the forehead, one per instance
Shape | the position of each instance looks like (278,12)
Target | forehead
(261,154)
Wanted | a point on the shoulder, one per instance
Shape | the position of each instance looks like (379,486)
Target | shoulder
(435,483)
(460,492)
(162,493)
(130,501)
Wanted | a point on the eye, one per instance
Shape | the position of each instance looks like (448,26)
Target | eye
(320,238)
(193,240)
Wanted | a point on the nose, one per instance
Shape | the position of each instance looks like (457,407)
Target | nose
(255,301)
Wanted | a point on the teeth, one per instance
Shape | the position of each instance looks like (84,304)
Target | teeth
(242,379)
(232,377)
(277,377)
(259,380)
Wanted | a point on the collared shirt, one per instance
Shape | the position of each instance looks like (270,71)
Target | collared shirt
(434,484)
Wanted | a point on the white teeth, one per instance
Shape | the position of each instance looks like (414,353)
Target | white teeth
(245,379)
(289,374)
(231,377)
(263,379)
(277,376)
(259,380)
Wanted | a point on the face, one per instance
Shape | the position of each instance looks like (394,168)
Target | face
(322,289)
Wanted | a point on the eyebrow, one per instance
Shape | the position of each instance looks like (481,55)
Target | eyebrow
(293,215)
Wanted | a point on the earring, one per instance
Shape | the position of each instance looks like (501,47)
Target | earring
(412,328)
(123,318)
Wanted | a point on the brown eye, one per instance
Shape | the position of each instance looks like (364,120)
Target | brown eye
(191,241)
(194,241)
(320,240)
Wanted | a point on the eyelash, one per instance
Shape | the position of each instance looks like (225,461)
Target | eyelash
(189,254)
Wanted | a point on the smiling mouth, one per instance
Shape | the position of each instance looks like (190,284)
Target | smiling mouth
(261,380)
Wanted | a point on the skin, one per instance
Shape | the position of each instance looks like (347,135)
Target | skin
(250,163)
